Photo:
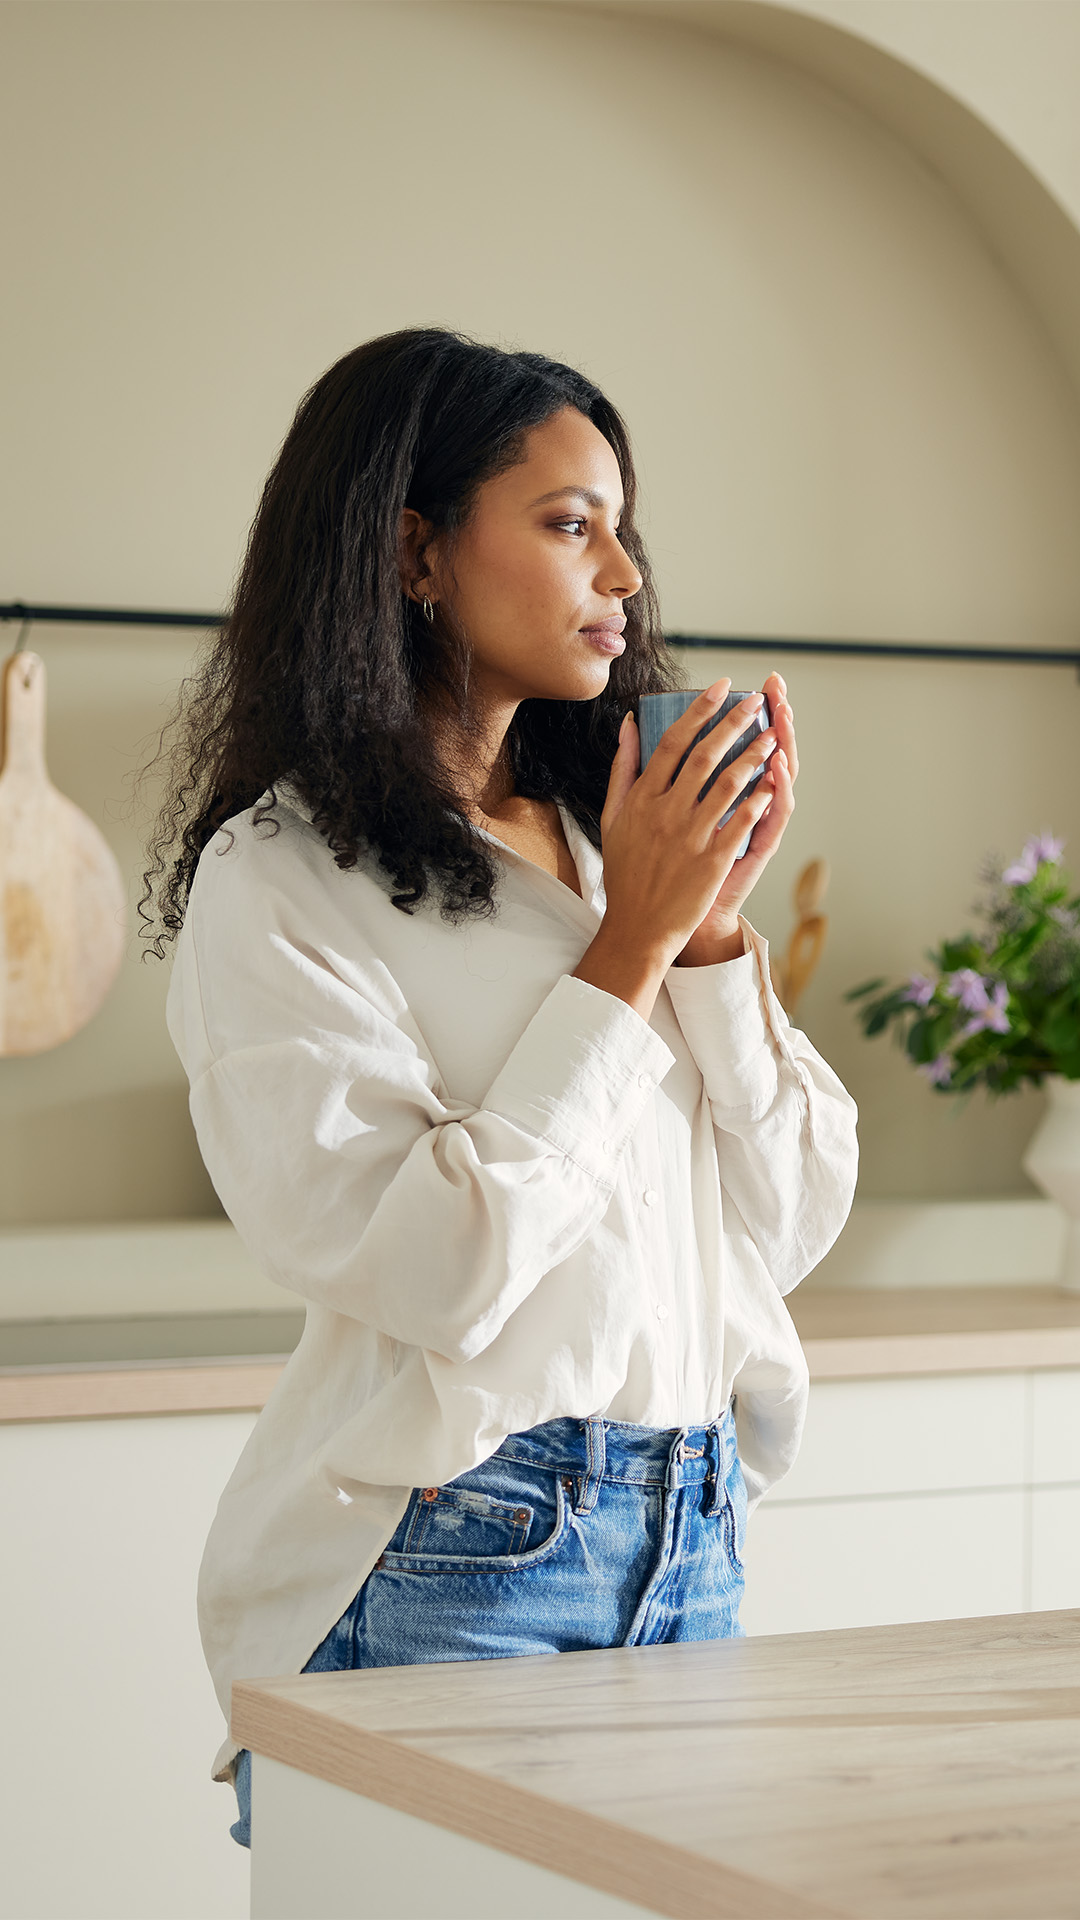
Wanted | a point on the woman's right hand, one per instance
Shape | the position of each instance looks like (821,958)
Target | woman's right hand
(664,859)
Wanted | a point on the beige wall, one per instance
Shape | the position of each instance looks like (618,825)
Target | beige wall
(848,418)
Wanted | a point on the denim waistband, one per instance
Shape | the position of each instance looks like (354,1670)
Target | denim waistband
(618,1450)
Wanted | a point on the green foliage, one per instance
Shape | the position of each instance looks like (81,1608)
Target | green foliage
(1000,1006)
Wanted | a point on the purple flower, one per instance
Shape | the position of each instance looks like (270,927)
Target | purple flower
(969,988)
(1045,847)
(920,989)
(1040,847)
(939,1071)
(993,1015)
(999,1018)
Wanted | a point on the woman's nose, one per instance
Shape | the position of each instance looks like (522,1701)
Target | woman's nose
(619,575)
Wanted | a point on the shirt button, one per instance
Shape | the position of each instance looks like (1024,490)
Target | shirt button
(644,1080)
(608,1147)
(661,1313)
(650,1196)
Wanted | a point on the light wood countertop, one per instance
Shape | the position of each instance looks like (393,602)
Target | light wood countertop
(846,1333)
(887,1773)
(851,1333)
(102,1392)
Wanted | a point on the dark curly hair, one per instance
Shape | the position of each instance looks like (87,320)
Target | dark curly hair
(325,673)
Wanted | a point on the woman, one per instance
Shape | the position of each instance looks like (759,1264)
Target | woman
(485,1061)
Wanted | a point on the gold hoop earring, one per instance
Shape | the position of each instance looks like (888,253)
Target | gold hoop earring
(428,611)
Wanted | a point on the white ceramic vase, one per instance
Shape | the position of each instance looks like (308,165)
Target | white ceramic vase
(1052,1160)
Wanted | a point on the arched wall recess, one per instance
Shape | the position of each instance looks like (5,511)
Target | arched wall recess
(905,817)
(1026,227)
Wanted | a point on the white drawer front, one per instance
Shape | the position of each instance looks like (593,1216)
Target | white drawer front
(1055,1547)
(1056,1426)
(910,1436)
(863,1563)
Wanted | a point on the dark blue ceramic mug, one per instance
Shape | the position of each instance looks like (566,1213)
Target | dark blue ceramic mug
(658,711)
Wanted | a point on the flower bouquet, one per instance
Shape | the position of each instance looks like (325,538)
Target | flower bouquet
(1001,1006)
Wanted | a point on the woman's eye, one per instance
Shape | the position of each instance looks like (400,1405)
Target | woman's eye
(572,526)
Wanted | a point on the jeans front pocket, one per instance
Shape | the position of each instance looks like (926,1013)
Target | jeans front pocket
(500,1516)
(461,1520)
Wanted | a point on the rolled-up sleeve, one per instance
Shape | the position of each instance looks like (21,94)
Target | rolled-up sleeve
(358,1183)
(785,1124)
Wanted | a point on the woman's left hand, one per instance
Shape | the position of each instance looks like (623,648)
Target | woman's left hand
(718,937)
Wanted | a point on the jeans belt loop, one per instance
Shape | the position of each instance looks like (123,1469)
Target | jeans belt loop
(675,1459)
(596,1460)
(718,1476)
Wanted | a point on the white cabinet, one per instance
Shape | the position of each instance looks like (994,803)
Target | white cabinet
(1055,1439)
(864,1563)
(108,1708)
(1055,1547)
(872,1437)
(923,1498)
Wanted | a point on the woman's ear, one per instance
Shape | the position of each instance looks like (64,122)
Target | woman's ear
(414,560)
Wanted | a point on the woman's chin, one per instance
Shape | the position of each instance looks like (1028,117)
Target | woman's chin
(586,680)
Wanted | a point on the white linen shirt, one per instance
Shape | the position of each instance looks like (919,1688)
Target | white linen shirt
(504,1195)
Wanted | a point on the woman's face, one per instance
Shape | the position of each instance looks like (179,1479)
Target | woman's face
(536,578)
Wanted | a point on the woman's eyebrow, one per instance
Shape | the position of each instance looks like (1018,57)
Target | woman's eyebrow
(587,494)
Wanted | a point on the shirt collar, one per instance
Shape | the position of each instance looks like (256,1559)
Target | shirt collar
(584,912)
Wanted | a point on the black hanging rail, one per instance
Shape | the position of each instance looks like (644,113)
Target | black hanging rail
(105,616)
(880,649)
(904,649)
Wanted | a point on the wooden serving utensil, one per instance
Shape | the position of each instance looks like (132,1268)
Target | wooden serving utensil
(792,974)
(62,896)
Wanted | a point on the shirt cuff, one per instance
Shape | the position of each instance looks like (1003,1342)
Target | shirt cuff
(581,1075)
(729,1024)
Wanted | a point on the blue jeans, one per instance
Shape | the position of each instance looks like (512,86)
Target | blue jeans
(574,1534)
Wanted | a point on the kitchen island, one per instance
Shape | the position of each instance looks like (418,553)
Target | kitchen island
(928,1770)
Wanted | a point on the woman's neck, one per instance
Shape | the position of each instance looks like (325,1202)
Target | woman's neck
(480,769)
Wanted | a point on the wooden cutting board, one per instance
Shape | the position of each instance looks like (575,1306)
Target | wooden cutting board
(62,896)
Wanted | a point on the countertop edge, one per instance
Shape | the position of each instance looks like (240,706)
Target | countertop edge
(988,1350)
(108,1393)
(566,1839)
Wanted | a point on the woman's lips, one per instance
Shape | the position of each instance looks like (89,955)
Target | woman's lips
(606,637)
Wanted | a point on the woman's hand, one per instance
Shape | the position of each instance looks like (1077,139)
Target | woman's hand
(718,936)
(672,880)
